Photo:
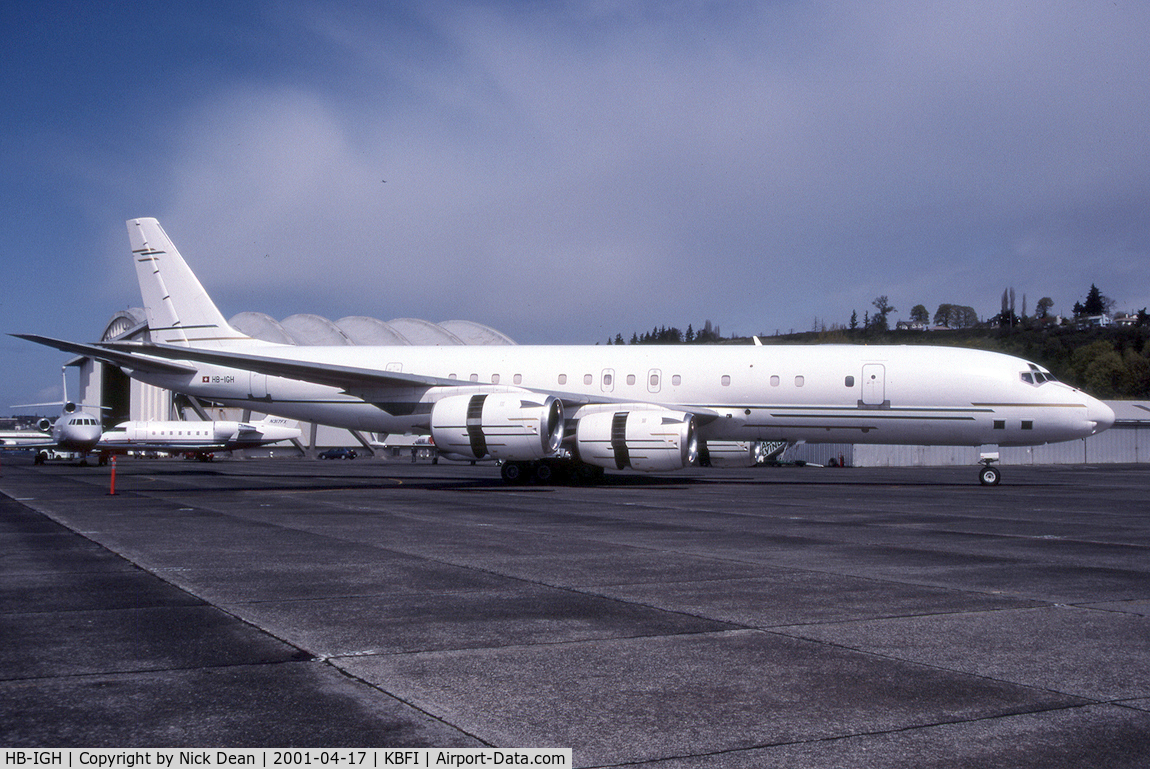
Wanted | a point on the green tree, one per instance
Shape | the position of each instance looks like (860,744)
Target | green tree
(1094,304)
(919,314)
(1099,368)
(1042,310)
(884,308)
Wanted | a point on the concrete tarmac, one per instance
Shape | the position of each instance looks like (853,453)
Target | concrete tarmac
(790,617)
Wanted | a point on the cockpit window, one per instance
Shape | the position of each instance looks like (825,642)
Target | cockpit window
(1037,376)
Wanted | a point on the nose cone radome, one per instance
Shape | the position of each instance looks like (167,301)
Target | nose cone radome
(1098,413)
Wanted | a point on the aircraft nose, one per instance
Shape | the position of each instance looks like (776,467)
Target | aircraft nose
(1101,415)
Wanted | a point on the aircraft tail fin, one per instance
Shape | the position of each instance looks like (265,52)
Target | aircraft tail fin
(179,310)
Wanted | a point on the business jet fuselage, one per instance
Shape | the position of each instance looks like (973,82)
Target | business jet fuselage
(196,437)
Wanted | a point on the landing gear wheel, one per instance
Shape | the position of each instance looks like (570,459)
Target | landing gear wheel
(586,475)
(989,476)
(543,473)
(514,472)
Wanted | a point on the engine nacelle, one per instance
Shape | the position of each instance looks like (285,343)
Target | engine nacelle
(732,453)
(514,425)
(642,439)
(44,425)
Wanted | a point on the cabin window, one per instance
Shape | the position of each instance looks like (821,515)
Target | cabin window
(1027,424)
(676,380)
(587,379)
(517,379)
(725,380)
(452,376)
(1000,424)
(494,379)
(850,381)
(563,379)
(607,380)
(474,377)
(654,379)
(630,379)
(774,381)
(800,380)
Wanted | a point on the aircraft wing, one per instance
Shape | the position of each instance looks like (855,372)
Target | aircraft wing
(351,379)
(16,440)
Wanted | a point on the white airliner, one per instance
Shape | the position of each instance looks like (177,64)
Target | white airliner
(200,438)
(537,408)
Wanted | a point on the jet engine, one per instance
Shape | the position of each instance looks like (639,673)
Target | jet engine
(44,425)
(515,425)
(642,439)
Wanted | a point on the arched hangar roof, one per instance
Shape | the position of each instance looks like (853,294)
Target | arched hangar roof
(361,329)
(475,333)
(262,327)
(424,332)
(314,330)
(307,329)
(124,324)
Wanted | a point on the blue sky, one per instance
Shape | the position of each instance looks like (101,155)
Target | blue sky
(566,171)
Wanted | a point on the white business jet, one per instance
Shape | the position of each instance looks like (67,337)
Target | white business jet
(74,431)
(590,408)
(199,438)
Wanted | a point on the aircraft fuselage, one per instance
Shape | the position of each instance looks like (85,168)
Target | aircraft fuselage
(828,393)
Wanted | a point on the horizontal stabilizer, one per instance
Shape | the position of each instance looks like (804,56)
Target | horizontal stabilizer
(345,377)
(134,362)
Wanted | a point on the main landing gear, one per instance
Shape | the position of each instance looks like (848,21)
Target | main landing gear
(989,475)
(549,472)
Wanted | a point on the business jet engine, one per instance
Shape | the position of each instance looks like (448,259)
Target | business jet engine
(648,439)
(514,425)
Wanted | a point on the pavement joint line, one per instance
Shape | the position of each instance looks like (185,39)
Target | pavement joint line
(434,716)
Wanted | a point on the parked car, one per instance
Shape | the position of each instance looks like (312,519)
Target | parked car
(338,454)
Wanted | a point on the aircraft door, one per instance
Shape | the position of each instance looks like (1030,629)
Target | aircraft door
(873,385)
(258,386)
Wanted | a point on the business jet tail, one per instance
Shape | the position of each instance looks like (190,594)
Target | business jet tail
(179,310)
